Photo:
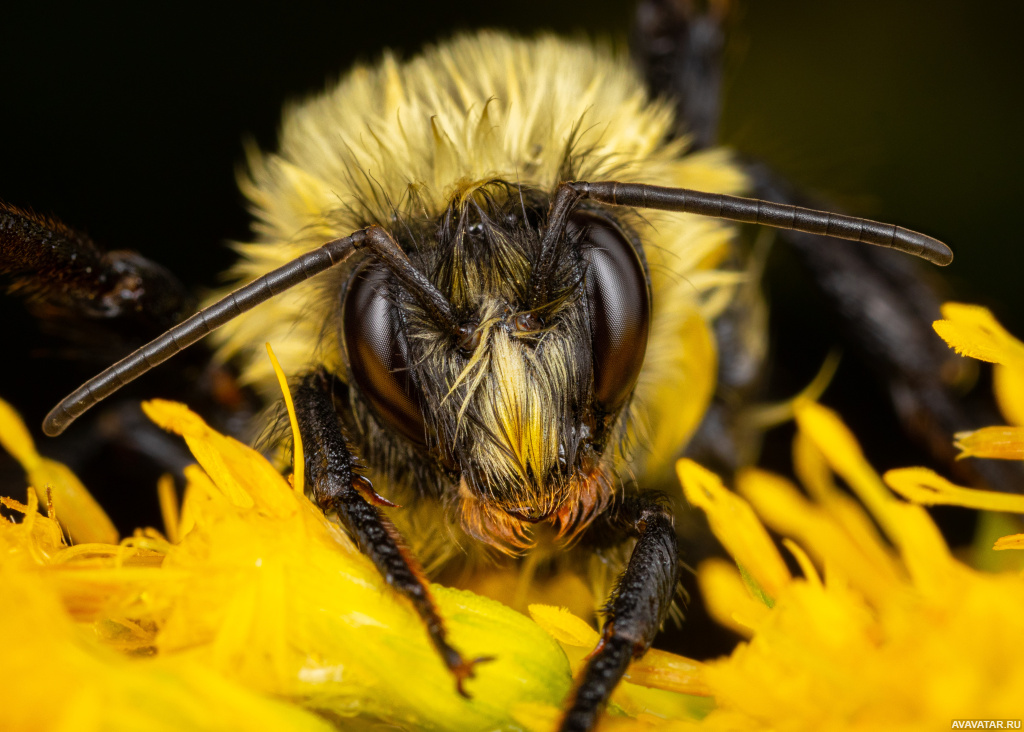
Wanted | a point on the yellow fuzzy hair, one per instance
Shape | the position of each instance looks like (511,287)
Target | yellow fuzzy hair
(480,107)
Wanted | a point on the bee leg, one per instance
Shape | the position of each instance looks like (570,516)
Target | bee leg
(335,486)
(61,273)
(634,613)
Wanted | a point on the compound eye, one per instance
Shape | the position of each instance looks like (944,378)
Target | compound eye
(378,355)
(619,302)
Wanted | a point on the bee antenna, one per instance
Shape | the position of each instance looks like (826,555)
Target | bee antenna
(184,334)
(197,326)
(756,211)
(562,205)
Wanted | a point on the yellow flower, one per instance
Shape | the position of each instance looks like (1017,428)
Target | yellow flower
(260,602)
(80,514)
(973,331)
(658,687)
(883,630)
(257,612)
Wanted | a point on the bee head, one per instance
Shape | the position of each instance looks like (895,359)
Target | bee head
(520,389)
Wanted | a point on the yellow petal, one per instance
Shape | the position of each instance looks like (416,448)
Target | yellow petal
(782,507)
(736,526)
(973,331)
(169,506)
(1008,385)
(76,509)
(14,437)
(993,526)
(35,540)
(806,566)
(564,626)
(1014,541)
(840,448)
(298,460)
(669,672)
(926,487)
(199,490)
(921,546)
(644,702)
(848,515)
(237,470)
(657,669)
(765,416)
(923,549)
(55,677)
(728,597)
(1004,443)
(272,573)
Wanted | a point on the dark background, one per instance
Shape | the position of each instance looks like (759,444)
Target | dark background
(129,124)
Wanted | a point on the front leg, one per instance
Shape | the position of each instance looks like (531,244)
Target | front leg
(634,614)
(330,471)
(63,275)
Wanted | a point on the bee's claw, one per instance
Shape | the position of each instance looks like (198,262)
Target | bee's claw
(464,670)
(365,488)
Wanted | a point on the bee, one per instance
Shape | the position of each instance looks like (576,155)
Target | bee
(494,271)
